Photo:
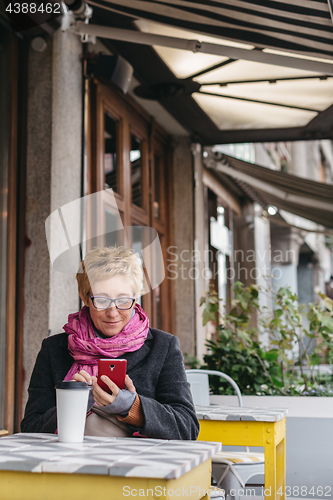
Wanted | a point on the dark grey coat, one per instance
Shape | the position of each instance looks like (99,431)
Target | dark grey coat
(158,374)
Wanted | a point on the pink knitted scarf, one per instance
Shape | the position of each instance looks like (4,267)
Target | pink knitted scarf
(87,349)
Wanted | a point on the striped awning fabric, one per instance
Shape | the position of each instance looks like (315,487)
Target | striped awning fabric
(304,197)
(298,26)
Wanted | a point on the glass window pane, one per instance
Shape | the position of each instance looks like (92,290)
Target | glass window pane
(222,280)
(114,232)
(137,246)
(136,170)
(110,152)
(157,187)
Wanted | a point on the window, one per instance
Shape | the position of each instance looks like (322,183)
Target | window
(136,161)
(114,234)
(110,151)
(128,155)
(157,186)
(220,247)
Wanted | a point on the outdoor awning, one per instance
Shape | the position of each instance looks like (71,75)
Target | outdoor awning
(261,72)
(298,26)
(309,199)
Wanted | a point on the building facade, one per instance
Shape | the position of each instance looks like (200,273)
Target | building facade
(66,134)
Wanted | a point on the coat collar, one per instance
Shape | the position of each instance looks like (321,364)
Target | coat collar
(134,358)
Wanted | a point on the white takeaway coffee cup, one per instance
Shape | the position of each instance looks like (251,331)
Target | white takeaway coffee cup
(72,401)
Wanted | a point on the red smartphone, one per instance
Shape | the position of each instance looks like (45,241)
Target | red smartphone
(115,369)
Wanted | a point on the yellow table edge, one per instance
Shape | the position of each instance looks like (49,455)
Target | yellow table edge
(241,432)
(16,485)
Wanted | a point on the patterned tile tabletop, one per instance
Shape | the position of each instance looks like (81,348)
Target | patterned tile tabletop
(240,413)
(130,457)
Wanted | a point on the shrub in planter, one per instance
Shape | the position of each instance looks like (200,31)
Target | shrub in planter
(301,349)
(287,366)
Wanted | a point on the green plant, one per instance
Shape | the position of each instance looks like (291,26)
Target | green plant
(300,348)
(236,350)
(287,365)
(191,361)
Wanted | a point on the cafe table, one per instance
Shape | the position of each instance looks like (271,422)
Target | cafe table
(39,467)
(241,426)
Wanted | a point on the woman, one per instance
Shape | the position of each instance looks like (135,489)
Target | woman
(156,401)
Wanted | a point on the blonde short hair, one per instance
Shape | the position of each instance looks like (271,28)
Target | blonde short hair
(103,263)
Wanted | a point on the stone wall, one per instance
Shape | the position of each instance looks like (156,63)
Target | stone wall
(183,241)
(53,179)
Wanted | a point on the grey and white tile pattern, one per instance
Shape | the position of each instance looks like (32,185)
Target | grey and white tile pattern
(240,413)
(128,457)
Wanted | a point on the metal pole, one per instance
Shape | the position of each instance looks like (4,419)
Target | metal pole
(203,47)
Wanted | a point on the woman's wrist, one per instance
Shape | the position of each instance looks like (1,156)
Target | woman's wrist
(122,404)
(135,416)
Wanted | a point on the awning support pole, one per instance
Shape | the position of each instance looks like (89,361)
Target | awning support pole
(330,6)
(203,47)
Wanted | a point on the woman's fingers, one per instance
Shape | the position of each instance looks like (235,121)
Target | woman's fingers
(111,385)
(78,378)
(100,398)
(129,384)
(99,401)
(84,376)
(103,398)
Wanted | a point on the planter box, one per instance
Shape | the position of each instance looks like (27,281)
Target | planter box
(309,442)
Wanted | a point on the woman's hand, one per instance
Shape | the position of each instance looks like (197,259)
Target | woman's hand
(103,398)
(83,376)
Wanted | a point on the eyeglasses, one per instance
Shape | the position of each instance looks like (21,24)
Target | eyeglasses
(122,303)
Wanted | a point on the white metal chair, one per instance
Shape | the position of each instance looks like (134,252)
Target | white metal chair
(230,470)
(200,385)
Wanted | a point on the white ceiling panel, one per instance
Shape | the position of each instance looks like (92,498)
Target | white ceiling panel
(311,94)
(182,62)
(247,70)
(229,114)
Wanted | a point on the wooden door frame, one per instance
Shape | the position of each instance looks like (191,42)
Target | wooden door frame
(132,118)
